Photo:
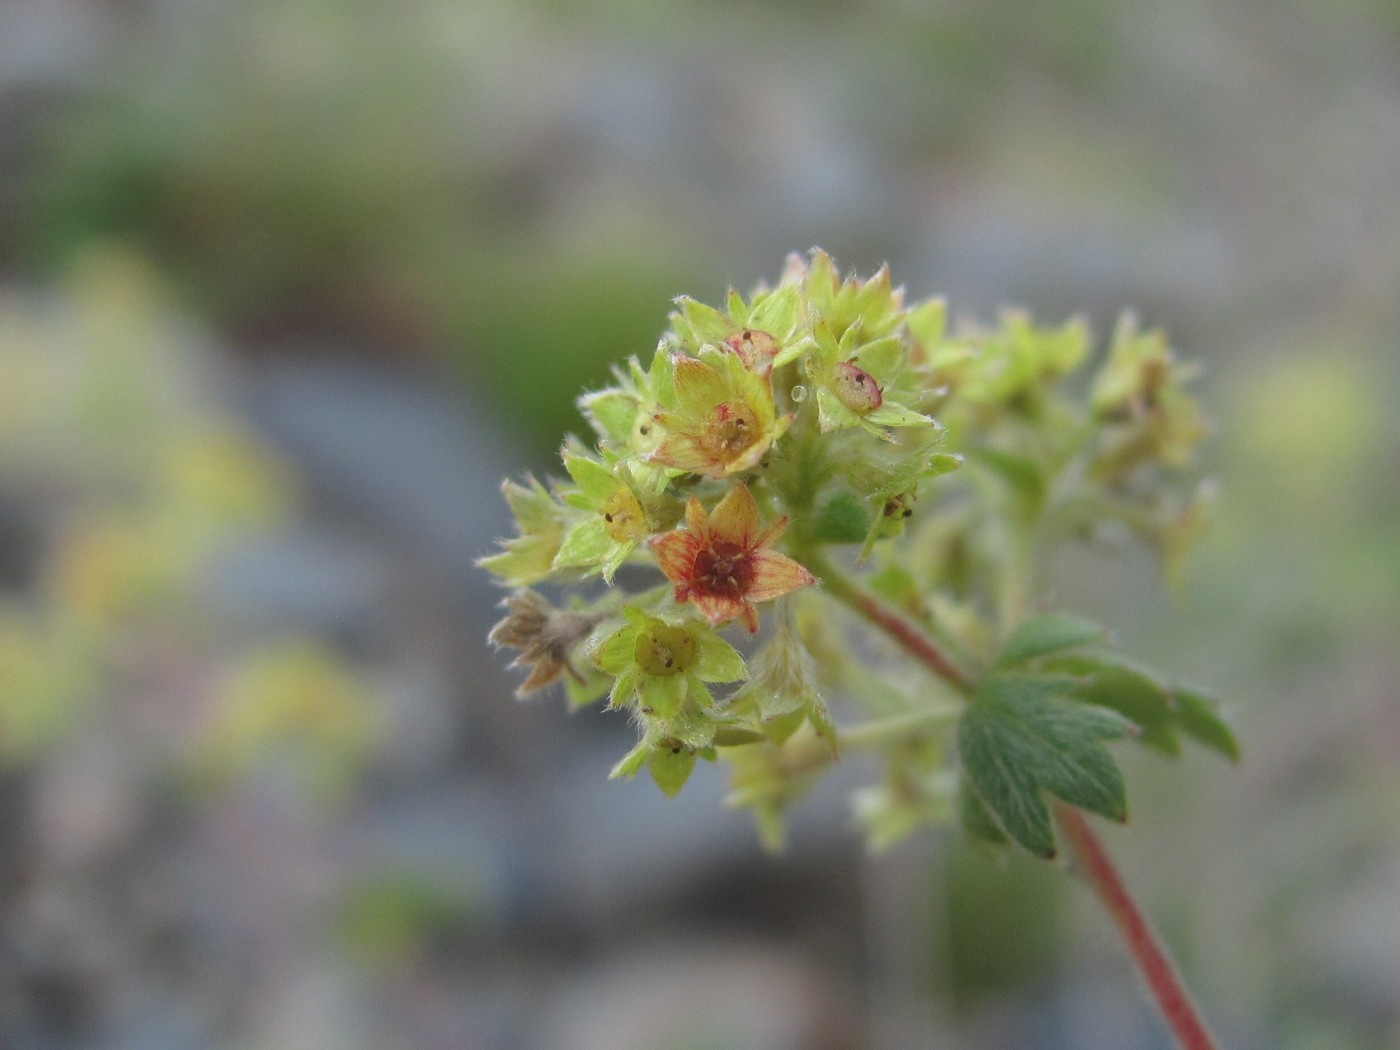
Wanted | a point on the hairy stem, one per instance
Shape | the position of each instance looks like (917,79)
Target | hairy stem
(909,636)
(1147,951)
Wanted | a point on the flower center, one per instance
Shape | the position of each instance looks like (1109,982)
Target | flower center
(730,430)
(663,650)
(623,516)
(856,388)
(724,569)
(756,349)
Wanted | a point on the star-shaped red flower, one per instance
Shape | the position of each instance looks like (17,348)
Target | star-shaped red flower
(721,562)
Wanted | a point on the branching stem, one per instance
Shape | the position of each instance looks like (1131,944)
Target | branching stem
(909,636)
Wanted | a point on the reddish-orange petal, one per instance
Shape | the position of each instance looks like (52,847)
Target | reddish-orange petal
(684,451)
(749,615)
(735,518)
(769,535)
(717,608)
(775,574)
(675,554)
(696,520)
(699,387)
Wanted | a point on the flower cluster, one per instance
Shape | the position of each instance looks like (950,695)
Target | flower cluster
(816,414)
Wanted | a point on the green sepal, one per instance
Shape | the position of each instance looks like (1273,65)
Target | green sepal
(615,653)
(778,727)
(792,351)
(1022,736)
(628,765)
(528,557)
(587,545)
(881,358)
(1050,633)
(928,322)
(706,324)
(775,312)
(832,414)
(719,661)
(612,414)
(661,697)
(670,768)
(890,414)
(623,687)
(595,480)
(737,736)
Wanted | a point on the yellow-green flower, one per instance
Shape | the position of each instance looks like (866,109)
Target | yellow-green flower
(622,508)
(723,420)
(665,664)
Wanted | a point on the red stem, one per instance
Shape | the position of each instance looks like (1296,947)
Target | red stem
(1151,958)
(910,637)
(1152,962)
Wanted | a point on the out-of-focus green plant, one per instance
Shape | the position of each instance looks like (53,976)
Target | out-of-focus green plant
(134,480)
(770,436)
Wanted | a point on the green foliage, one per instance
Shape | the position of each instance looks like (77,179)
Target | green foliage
(817,415)
(1023,737)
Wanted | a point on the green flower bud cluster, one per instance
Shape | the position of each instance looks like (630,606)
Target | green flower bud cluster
(821,444)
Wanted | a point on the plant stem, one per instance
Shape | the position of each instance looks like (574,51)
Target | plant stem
(886,729)
(1147,951)
(910,637)
(1142,943)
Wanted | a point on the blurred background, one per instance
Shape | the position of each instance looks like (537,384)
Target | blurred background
(287,287)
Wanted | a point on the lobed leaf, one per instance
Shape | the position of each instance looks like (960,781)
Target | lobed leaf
(1023,736)
(1050,633)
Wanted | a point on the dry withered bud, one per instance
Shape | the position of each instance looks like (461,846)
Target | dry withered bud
(543,634)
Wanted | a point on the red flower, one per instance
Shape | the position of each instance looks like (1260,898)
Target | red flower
(722,563)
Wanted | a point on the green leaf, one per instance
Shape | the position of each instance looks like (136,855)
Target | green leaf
(977,821)
(1041,635)
(1199,718)
(1021,737)
(1112,681)
(1161,711)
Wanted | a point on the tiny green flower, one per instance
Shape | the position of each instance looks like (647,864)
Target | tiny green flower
(662,664)
(858,385)
(529,557)
(622,507)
